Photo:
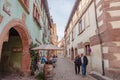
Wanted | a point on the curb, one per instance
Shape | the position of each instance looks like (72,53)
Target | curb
(91,77)
(98,74)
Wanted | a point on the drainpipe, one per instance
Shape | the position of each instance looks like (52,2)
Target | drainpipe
(103,69)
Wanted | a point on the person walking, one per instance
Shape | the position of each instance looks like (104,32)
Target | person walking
(84,61)
(77,64)
(43,59)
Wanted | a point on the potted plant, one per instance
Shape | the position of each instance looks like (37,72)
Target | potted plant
(34,57)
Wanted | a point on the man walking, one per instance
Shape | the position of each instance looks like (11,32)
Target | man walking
(84,62)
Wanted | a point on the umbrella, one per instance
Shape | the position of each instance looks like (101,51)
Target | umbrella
(47,47)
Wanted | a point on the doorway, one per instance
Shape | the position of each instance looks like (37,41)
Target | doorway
(11,53)
(72,53)
(76,52)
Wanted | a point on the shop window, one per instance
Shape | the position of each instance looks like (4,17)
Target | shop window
(25,4)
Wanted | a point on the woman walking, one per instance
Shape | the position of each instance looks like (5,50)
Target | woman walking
(77,64)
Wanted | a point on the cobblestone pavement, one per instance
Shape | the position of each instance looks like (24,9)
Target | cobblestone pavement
(17,77)
(64,70)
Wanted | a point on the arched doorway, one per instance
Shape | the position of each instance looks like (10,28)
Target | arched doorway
(11,53)
(14,47)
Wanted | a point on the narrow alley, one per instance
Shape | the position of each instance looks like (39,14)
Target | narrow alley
(33,33)
(64,70)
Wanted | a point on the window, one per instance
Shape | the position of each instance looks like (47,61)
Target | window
(72,35)
(87,22)
(25,4)
(75,30)
(43,38)
(1,17)
(76,52)
(7,7)
(82,23)
(87,49)
(40,2)
(67,41)
(79,27)
(36,14)
(69,51)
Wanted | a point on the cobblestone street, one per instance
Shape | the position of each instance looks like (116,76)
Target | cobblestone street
(64,70)
(14,77)
(17,77)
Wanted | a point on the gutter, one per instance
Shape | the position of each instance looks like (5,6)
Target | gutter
(103,69)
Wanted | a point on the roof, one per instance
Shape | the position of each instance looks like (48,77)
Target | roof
(45,2)
(72,13)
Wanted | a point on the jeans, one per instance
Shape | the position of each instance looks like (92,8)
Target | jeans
(83,69)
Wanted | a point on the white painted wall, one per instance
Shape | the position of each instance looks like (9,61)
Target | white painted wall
(95,58)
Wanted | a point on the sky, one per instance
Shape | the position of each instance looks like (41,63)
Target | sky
(60,11)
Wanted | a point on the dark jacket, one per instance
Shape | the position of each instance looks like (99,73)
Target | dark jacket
(77,61)
(85,60)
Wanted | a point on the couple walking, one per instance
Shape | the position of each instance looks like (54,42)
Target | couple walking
(81,61)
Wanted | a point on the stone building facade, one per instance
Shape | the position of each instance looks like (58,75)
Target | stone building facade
(22,22)
(53,37)
(61,44)
(93,29)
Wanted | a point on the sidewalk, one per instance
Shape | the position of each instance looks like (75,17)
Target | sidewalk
(64,70)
